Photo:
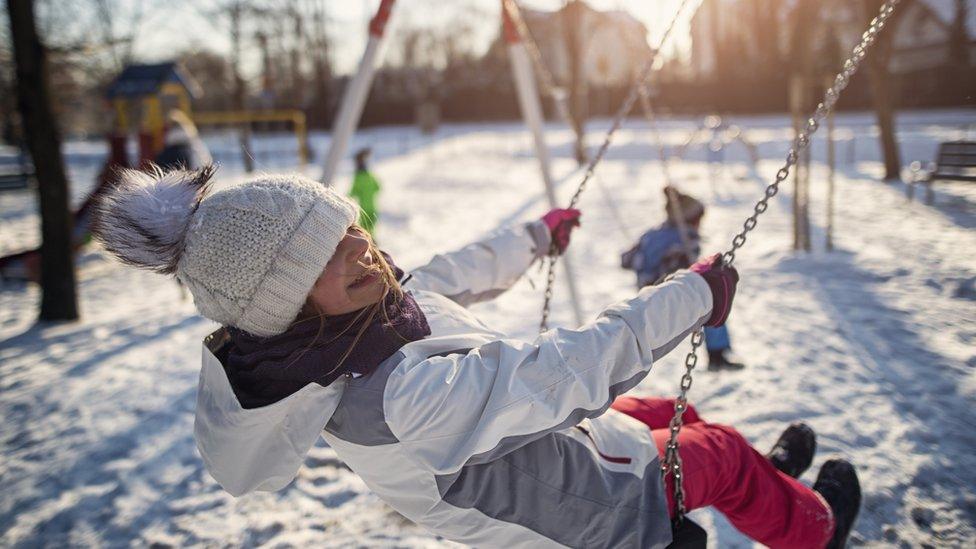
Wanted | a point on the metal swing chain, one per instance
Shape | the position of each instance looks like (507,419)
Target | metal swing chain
(672,459)
(618,119)
(652,122)
(673,204)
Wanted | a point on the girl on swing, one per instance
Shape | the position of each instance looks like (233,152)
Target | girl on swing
(482,439)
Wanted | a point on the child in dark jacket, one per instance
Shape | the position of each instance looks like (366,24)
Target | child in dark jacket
(183,147)
(672,246)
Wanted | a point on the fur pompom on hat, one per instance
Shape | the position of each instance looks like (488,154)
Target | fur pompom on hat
(249,253)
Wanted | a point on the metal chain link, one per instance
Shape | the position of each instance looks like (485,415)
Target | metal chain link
(673,204)
(652,121)
(672,459)
(618,119)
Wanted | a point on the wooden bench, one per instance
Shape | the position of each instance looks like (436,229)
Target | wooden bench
(955,161)
(15,180)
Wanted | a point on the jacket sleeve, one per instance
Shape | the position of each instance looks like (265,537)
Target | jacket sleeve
(464,409)
(485,269)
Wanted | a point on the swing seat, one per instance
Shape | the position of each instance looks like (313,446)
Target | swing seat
(687,534)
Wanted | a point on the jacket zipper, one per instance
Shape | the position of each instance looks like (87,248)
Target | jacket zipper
(611,459)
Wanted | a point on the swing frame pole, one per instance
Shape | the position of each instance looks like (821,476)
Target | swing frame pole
(797,99)
(531,108)
(832,167)
(354,97)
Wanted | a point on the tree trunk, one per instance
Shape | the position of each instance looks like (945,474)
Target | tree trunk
(572,27)
(882,93)
(58,297)
(885,112)
(297,80)
(240,93)
(963,84)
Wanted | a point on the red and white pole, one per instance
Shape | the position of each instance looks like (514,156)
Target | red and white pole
(531,107)
(354,98)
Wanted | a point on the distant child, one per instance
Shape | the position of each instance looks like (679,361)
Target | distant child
(365,187)
(664,250)
(182,147)
(482,438)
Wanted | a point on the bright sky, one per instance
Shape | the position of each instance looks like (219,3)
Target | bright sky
(187,24)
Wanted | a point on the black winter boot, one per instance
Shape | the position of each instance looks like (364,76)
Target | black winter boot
(719,360)
(793,452)
(837,483)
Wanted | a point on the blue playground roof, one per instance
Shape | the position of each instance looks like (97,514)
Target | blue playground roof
(141,80)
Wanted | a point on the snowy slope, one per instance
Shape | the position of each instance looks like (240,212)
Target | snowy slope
(872,344)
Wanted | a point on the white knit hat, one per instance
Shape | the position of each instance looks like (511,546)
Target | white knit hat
(249,254)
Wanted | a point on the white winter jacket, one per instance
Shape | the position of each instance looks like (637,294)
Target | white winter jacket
(482,439)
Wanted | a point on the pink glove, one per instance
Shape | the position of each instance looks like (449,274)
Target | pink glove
(561,222)
(721,280)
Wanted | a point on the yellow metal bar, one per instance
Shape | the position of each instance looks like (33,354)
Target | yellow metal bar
(152,121)
(302,133)
(121,116)
(183,99)
(296,117)
(241,117)
(171,88)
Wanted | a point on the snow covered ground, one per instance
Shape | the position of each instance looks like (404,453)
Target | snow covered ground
(873,344)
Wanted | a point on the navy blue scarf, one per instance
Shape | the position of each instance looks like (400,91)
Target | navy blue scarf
(265,370)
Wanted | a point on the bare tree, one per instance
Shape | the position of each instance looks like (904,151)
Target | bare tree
(295,61)
(293,39)
(58,295)
(317,46)
(88,44)
(212,72)
(764,17)
(959,36)
(883,89)
(9,122)
(964,87)
(119,27)
(235,12)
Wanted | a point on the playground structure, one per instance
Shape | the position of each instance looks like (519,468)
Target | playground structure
(139,96)
(142,95)
(718,135)
(292,117)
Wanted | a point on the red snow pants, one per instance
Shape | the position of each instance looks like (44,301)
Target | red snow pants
(721,469)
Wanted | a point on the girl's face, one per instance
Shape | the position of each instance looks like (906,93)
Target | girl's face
(351,279)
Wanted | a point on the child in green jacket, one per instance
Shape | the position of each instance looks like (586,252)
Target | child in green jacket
(365,187)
